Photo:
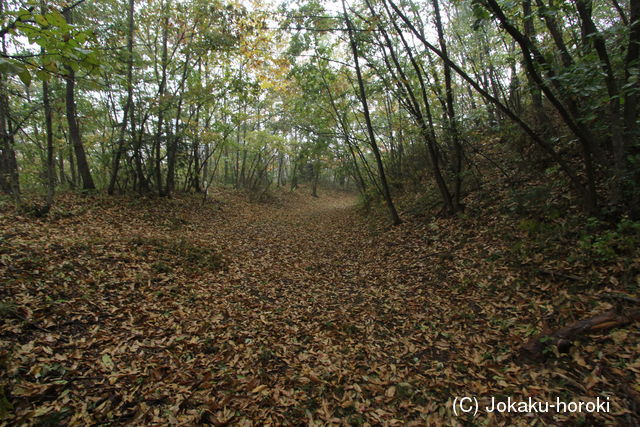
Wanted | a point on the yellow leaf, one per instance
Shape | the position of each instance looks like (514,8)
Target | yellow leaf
(391,391)
(259,388)
(590,381)
(577,357)
(619,336)
(107,362)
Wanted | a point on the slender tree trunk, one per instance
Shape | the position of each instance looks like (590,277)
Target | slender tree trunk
(172,148)
(294,176)
(9,178)
(9,175)
(48,119)
(74,134)
(316,177)
(137,137)
(128,103)
(72,165)
(161,101)
(541,119)
(345,130)
(62,177)
(532,56)
(49,133)
(632,70)
(207,149)
(615,119)
(426,127)
(451,114)
(74,128)
(555,31)
(280,162)
(576,182)
(395,218)
(196,153)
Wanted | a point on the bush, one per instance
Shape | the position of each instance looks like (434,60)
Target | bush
(607,244)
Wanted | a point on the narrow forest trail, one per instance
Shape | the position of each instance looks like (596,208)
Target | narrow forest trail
(298,311)
(293,260)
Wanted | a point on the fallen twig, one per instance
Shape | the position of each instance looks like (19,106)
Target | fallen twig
(563,337)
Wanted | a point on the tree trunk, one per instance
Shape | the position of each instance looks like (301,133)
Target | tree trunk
(74,129)
(294,176)
(62,178)
(531,54)
(541,119)
(426,126)
(196,154)
(451,114)
(9,177)
(172,148)
(49,134)
(345,130)
(48,119)
(632,69)
(563,337)
(128,103)
(555,31)
(161,101)
(564,166)
(316,176)
(395,218)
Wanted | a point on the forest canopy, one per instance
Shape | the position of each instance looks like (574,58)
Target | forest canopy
(379,96)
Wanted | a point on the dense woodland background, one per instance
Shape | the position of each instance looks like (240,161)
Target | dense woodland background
(317,212)
(162,96)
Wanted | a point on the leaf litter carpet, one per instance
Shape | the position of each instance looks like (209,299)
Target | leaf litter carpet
(300,311)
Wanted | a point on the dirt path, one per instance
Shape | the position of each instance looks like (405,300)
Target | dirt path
(293,258)
(140,331)
(167,311)
(322,319)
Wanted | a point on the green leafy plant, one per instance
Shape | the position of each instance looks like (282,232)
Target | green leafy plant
(607,244)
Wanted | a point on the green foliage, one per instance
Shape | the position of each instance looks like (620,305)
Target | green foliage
(167,251)
(542,229)
(606,244)
(369,196)
(531,226)
(6,408)
(423,203)
(524,200)
(160,267)
(8,309)
(64,45)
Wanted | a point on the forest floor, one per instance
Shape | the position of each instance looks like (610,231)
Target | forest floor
(301,310)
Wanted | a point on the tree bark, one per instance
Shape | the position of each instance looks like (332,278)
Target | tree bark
(426,127)
(564,166)
(395,218)
(615,121)
(555,31)
(48,119)
(541,119)
(49,134)
(9,175)
(161,101)
(451,114)
(172,148)
(316,176)
(531,54)
(632,68)
(74,129)
(563,337)
(128,103)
